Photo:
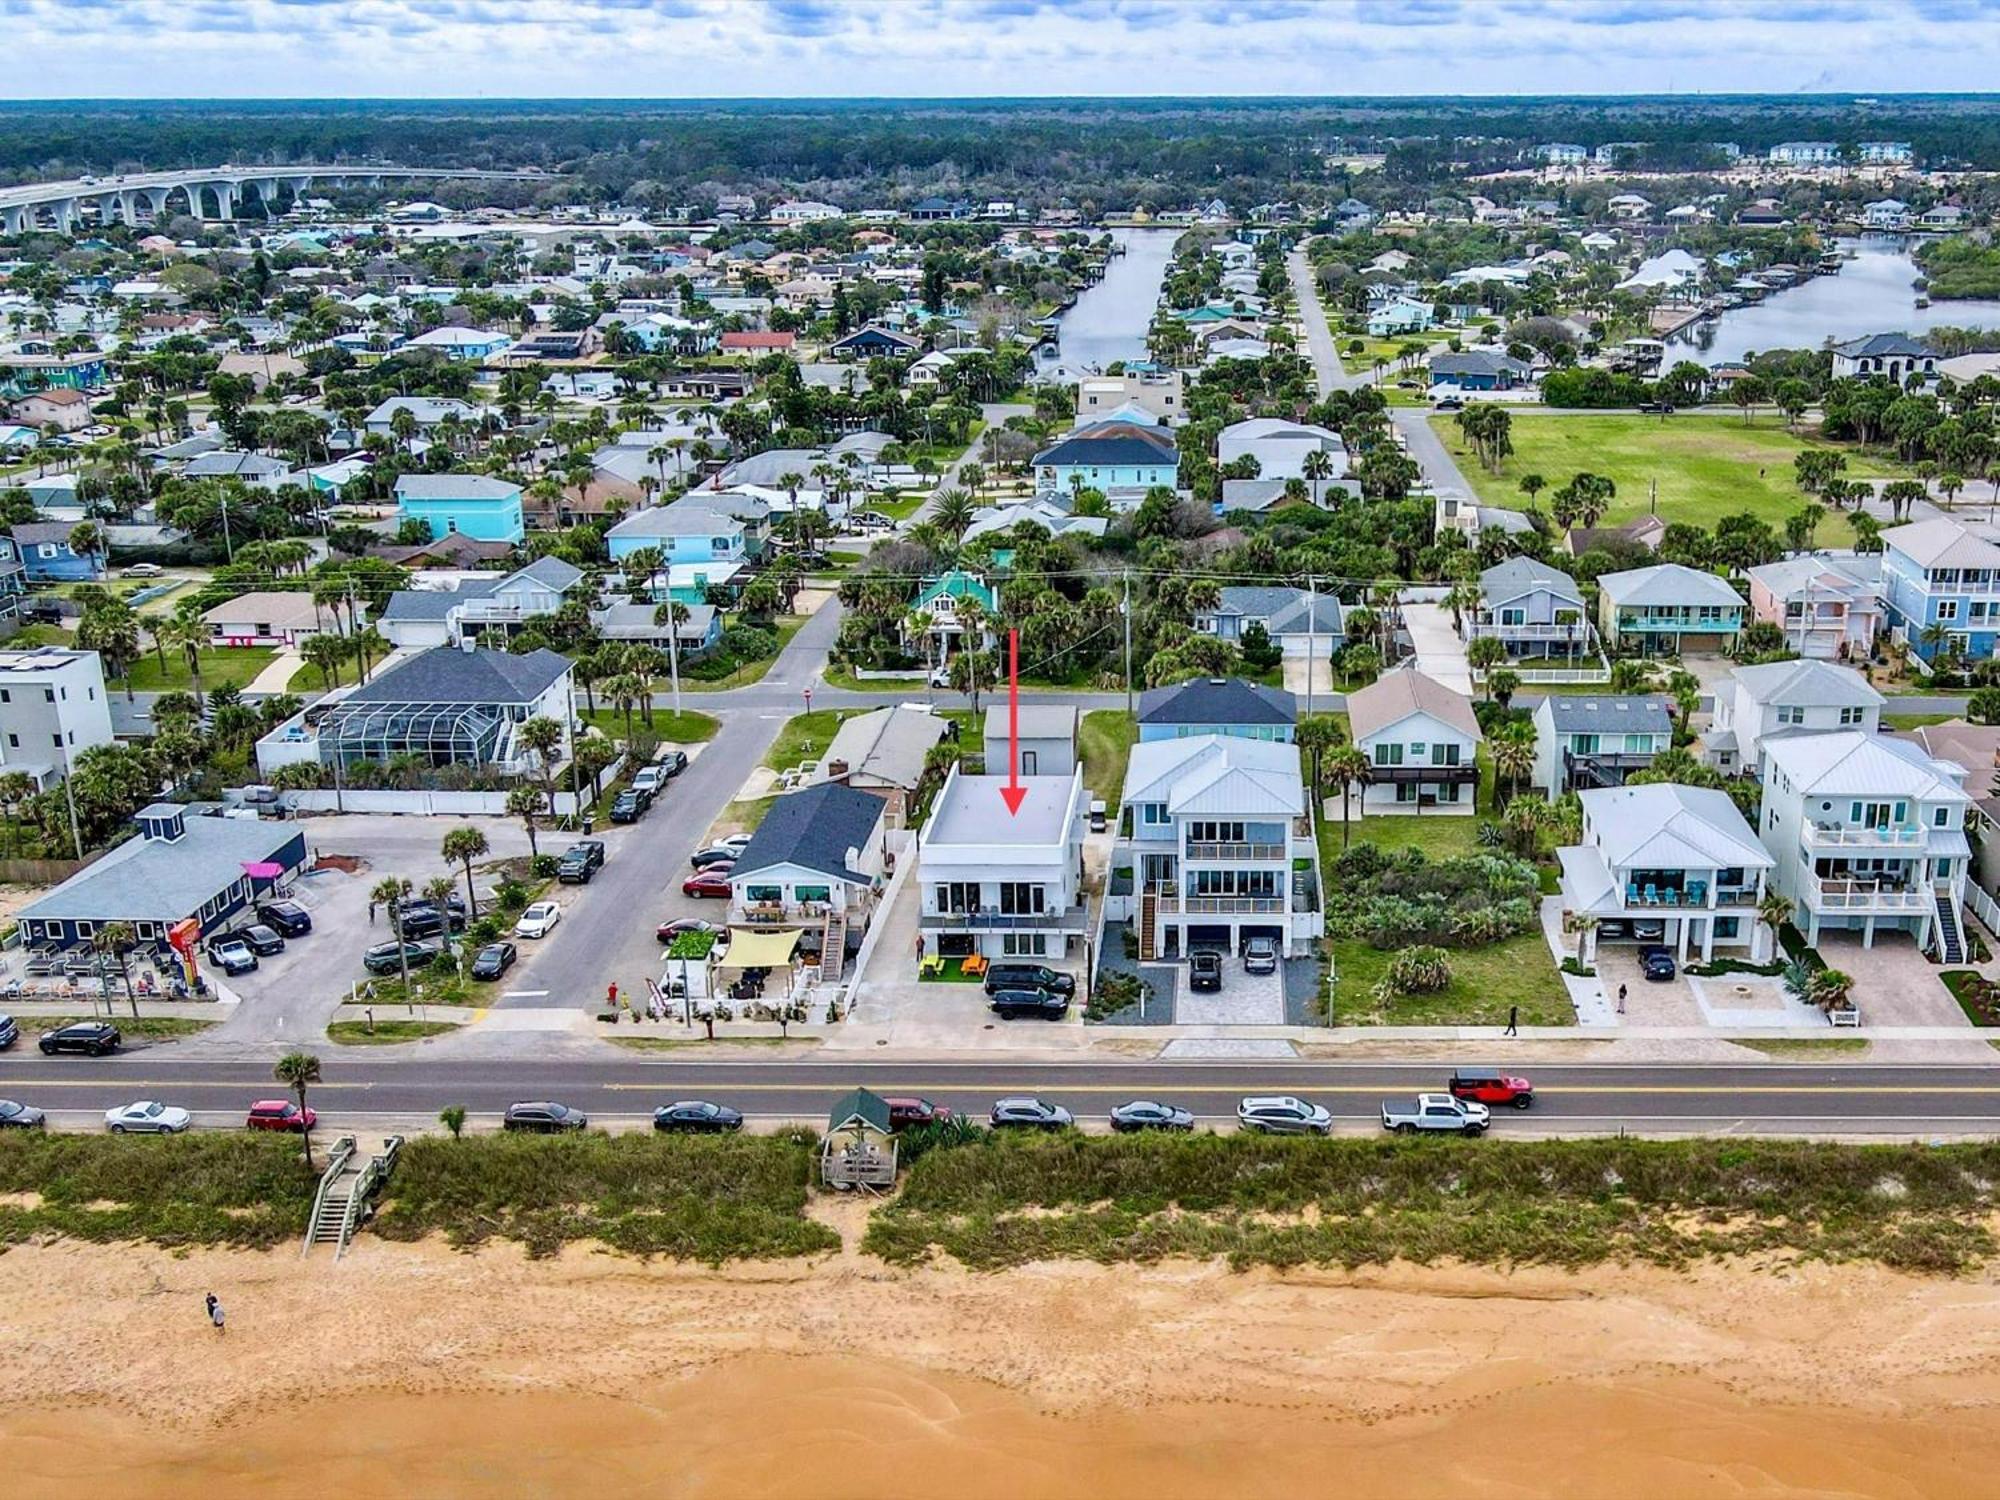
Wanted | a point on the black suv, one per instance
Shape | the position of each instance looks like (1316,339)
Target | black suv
(1028,977)
(629,806)
(697,1117)
(544,1118)
(590,849)
(1039,1004)
(288,917)
(388,958)
(671,763)
(422,920)
(575,868)
(1205,970)
(93,1038)
(261,940)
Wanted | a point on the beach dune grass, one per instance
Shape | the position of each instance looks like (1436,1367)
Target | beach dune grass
(1004,1201)
(703,1198)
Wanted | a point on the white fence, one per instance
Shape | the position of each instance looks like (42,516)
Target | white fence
(424,804)
(1983,907)
(1552,676)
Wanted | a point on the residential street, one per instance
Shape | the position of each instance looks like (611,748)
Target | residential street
(1319,338)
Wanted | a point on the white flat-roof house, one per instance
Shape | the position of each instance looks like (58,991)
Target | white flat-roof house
(999,883)
(53,707)
(1047,736)
(1422,743)
(1869,834)
(1778,698)
(1664,863)
(1218,824)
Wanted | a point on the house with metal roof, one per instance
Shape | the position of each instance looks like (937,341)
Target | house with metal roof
(1218,836)
(941,602)
(816,861)
(499,604)
(1422,742)
(1668,609)
(182,867)
(1280,448)
(1827,604)
(1042,512)
(1478,370)
(1940,588)
(695,529)
(1597,739)
(426,411)
(1217,705)
(1532,609)
(1780,698)
(1664,863)
(1299,622)
(1869,835)
(1000,881)
(257,470)
(1122,459)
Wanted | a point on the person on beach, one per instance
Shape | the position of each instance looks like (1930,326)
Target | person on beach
(215,1311)
(1513,1021)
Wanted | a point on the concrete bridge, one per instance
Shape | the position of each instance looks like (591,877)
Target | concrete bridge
(62,203)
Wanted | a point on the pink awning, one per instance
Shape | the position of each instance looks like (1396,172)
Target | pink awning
(263,869)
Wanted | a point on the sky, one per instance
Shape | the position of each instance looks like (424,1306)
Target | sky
(973,48)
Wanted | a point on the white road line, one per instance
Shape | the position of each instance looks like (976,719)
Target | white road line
(524,994)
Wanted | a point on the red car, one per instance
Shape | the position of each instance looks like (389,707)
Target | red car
(906,1111)
(1491,1086)
(714,881)
(280,1114)
(673,927)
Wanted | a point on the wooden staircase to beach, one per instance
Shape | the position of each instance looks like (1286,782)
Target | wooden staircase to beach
(346,1189)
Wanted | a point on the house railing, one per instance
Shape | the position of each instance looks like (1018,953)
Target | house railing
(1074,919)
(1815,836)
(1169,899)
(1525,632)
(1210,850)
(1865,895)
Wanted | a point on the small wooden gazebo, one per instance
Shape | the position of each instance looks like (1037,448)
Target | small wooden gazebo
(859,1148)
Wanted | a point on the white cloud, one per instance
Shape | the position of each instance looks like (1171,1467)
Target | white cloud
(933,48)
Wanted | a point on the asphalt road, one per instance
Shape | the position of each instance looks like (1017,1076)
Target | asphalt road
(363,1092)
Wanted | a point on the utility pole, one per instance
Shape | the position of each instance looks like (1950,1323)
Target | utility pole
(228,547)
(1312,657)
(673,651)
(1127,610)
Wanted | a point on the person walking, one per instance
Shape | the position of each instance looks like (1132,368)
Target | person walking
(611,997)
(215,1311)
(1513,1021)
(371,913)
(1621,999)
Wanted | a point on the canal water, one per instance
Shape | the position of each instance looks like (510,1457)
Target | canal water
(1110,319)
(1873,293)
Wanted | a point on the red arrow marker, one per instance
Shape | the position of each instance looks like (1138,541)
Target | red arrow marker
(1013,791)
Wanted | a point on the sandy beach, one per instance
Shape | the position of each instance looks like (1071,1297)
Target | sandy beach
(417,1370)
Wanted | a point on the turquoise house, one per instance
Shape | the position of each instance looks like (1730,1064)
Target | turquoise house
(1108,456)
(474,505)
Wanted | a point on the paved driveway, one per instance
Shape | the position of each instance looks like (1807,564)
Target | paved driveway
(1245,999)
(1440,653)
(1894,984)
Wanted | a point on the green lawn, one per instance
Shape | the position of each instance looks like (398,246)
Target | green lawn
(1106,737)
(1438,835)
(806,736)
(150,1028)
(684,728)
(30,636)
(234,665)
(385,1033)
(1706,466)
(1485,983)
(786,627)
(1914,721)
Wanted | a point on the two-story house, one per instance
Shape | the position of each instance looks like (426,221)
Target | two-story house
(939,617)
(688,531)
(1780,698)
(1664,863)
(1046,733)
(999,883)
(53,707)
(815,863)
(46,556)
(1422,743)
(1596,740)
(1828,606)
(1891,356)
(1940,588)
(1869,834)
(476,505)
(446,617)
(1220,844)
(1217,705)
(1532,609)
(1299,622)
(1668,609)
(1122,459)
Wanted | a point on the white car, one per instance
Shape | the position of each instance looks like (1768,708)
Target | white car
(144,570)
(737,841)
(538,920)
(148,1116)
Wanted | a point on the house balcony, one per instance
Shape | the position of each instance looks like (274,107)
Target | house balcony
(1238,853)
(769,914)
(1836,893)
(1075,919)
(1585,770)
(1171,902)
(1813,836)
(1578,632)
(1467,774)
(1679,625)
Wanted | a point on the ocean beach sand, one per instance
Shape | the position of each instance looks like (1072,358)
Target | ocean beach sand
(416,1370)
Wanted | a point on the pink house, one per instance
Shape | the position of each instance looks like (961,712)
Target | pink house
(1829,607)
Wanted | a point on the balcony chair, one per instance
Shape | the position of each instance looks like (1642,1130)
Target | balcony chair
(1631,893)
(1652,895)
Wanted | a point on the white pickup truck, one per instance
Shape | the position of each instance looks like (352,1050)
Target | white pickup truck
(1436,1112)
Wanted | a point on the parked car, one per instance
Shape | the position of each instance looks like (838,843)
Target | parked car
(671,763)
(1449,403)
(1656,964)
(649,780)
(1491,1086)
(261,940)
(1657,408)
(143,570)
(1435,1112)
(280,1114)
(14,1116)
(539,920)
(231,955)
(1040,1005)
(92,1038)
(288,917)
(1027,1113)
(389,958)
(1281,1114)
(1650,930)
(673,927)
(712,881)
(591,849)
(544,1117)
(147,1117)
(575,868)
(1150,1114)
(906,1111)
(493,960)
(697,1117)
(9,1032)
(714,854)
(1204,970)
(629,806)
(1029,977)
(1612,928)
(422,920)
(1260,956)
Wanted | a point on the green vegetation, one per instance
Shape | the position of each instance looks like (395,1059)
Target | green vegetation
(142,1028)
(435,984)
(1915,721)
(235,666)
(1439,836)
(1807,1048)
(1009,1200)
(1707,466)
(684,728)
(683,1043)
(710,1199)
(216,1188)
(1105,736)
(385,1033)
(1485,982)
(743,673)
(1977,996)
(1960,267)
(805,737)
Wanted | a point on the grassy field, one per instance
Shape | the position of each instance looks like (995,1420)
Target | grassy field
(1707,466)
(140,1028)
(786,627)
(386,1033)
(1011,1200)
(234,665)
(1438,835)
(702,1198)
(684,728)
(1105,737)
(806,736)
(1485,982)
(210,1188)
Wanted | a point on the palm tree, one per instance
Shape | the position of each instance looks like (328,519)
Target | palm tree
(953,511)
(1318,468)
(187,634)
(1774,910)
(543,737)
(1346,768)
(1317,734)
(461,847)
(118,939)
(528,803)
(298,1071)
(388,894)
(1513,760)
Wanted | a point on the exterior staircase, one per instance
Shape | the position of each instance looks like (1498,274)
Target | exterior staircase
(833,948)
(346,1188)
(1149,923)
(1951,941)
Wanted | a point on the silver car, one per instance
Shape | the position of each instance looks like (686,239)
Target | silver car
(147,1117)
(1281,1114)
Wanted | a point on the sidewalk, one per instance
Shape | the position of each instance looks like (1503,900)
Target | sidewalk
(277,677)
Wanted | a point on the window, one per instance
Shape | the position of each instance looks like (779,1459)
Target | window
(820,893)
(85,929)
(764,895)
(1027,762)
(1941,818)
(1791,716)
(1020,898)
(958,896)
(1388,755)
(48,695)
(1947,609)
(1444,755)
(1024,944)
(1154,814)
(1850,716)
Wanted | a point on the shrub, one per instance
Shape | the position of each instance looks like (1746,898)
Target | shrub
(1422,970)
(1115,990)
(543,866)
(512,895)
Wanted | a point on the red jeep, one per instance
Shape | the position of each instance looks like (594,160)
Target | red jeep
(1491,1086)
(280,1114)
(906,1111)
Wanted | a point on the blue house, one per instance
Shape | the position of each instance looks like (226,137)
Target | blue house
(1108,456)
(474,505)
(46,556)
(1400,315)
(874,341)
(1217,705)
(1936,573)
(684,532)
(1479,370)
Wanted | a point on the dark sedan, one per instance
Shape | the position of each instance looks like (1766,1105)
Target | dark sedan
(1657,964)
(20,1116)
(262,941)
(671,763)
(1036,1004)
(493,960)
(543,1117)
(1150,1114)
(697,1116)
(715,854)
(93,1038)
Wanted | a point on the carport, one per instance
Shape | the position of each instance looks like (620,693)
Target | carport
(1251,930)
